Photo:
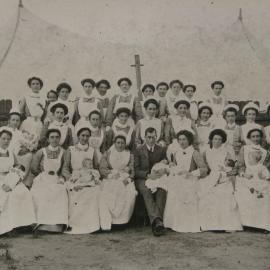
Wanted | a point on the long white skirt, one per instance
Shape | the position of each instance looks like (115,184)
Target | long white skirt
(18,209)
(254,209)
(84,210)
(181,211)
(217,206)
(50,200)
(116,203)
(32,126)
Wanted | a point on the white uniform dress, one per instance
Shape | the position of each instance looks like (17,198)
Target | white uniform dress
(18,209)
(254,208)
(204,129)
(83,204)
(217,206)
(181,210)
(32,123)
(96,140)
(117,199)
(50,198)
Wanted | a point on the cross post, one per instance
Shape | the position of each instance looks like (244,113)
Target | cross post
(138,66)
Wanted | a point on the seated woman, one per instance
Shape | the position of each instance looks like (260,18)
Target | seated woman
(83,185)
(181,211)
(173,95)
(125,99)
(233,131)
(189,93)
(16,209)
(151,106)
(102,88)
(118,191)
(49,190)
(217,206)
(32,106)
(250,111)
(59,111)
(252,185)
(204,125)
(176,123)
(87,103)
(63,91)
(122,123)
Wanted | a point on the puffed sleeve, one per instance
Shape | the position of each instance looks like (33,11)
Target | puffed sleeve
(110,115)
(241,162)
(104,167)
(66,164)
(200,164)
(36,162)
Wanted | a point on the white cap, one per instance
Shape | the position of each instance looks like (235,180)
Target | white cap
(250,105)
(231,106)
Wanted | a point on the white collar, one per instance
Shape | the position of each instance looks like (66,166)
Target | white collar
(82,147)
(3,151)
(54,149)
(151,149)
(188,150)
(147,117)
(233,125)
(118,124)
(57,123)
(93,128)
(122,94)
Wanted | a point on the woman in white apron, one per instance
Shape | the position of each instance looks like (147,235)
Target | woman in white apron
(250,111)
(189,92)
(122,123)
(217,206)
(83,203)
(151,106)
(118,190)
(102,95)
(49,190)
(176,123)
(234,133)
(87,103)
(253,185)
(59,111)
(125,99)
(173,95)
(63,91)
(32,107)
(18,208)
(181,211)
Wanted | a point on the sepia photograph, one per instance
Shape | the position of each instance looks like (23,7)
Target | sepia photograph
(134,135)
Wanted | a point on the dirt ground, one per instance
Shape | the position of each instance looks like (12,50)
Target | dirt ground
(136,248)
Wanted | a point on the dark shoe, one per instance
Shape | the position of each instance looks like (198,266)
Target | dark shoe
(158,227)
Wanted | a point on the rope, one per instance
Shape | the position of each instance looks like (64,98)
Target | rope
(12,37)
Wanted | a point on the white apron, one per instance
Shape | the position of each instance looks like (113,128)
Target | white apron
(117,200)
(18,209)
(50,198)
(83,204)
(253,195)
(96,140)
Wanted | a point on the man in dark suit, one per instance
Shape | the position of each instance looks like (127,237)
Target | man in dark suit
(145,157)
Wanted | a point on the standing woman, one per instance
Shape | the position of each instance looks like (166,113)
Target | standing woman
(253,185)
(98,138)
(87,103)
(48,190)
(18,209)
(84,202)
(181,210)
(124,99)
(58,111)
(250,111)
(217,206)
(32,107)
(173,95)
(102,87)
(118,190)
(189,92)
(123,124)
(178,122)
(151,107)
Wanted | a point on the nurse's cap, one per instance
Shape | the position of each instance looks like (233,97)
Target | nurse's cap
(250,105)
(231,107)
(14,111)
(181,101)
(120,134)
(150,100)
(204,105)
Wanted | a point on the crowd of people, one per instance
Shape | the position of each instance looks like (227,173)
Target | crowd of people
(77,165)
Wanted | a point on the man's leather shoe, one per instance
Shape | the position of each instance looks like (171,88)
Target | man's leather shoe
(158,227)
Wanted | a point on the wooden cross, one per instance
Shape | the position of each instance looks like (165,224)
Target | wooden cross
(138,66)
(20,3)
